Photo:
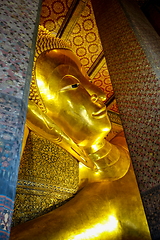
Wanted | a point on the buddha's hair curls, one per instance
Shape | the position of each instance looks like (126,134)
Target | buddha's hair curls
(45,42)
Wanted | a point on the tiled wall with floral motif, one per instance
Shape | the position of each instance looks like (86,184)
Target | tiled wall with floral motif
(132,51)
(18,21)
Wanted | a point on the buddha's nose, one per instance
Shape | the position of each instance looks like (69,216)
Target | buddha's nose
(95,90)
(100,94)
(98,101)
(94,98)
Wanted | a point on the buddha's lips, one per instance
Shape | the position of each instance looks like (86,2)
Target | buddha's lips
(100,114)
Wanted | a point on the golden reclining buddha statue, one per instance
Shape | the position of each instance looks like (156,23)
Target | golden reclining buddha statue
(67,109)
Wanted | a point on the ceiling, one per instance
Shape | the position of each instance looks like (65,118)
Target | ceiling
(74,22)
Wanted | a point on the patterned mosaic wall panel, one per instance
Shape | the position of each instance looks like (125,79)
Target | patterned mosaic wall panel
(53,13)
(113,107)
(103,81)
(16,42)
(136,87)
(11,120)
(17,25)
(85,38)
(151,202)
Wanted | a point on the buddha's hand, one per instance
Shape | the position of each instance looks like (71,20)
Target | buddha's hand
(44,126)
(41,124)
(68,144)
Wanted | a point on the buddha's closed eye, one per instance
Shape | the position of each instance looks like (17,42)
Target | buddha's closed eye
(70,87)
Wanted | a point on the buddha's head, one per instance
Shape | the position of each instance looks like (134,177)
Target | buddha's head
(66,93)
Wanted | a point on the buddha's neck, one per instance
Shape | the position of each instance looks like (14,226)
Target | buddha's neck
(103,154)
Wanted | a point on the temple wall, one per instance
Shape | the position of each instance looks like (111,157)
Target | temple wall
(132,51)
(19,19)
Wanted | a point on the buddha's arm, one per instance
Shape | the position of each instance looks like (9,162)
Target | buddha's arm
(41,124)
(100,211)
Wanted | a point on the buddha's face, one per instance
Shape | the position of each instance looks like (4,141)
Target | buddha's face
(72,101)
